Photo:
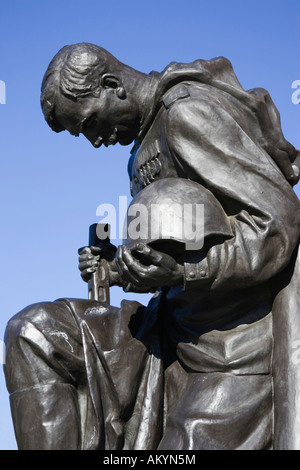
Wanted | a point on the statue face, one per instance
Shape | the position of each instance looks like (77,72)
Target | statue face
(106,119)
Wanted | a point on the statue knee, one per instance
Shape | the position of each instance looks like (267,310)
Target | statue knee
(23,325)
(30,344)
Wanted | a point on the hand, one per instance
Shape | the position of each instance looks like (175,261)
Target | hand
(89,259)
(145,267)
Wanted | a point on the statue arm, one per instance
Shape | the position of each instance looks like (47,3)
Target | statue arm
(209,146)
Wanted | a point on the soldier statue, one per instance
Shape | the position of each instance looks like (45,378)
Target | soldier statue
(209,363)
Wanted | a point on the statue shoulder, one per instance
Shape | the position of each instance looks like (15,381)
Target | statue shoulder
(176,93)
(181,104)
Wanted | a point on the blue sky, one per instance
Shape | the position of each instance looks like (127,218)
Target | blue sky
(52,184)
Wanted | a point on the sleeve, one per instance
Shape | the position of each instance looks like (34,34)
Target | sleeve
(208,144)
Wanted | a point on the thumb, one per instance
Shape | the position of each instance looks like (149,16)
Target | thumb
(96,250)
(156,257)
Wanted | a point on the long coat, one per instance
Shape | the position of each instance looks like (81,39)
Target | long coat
(210,357)
(212,364)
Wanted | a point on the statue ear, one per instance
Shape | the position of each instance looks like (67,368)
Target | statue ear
(110,81)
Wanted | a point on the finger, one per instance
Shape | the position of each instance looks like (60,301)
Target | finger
(123,268)
(87,264)
(96,250)
(156,257)
(132,263)
(128,287)
(84,250)
(138,272)
(121,265)
(87,256)
(87,274)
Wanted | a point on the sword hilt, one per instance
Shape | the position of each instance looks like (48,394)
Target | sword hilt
(98,285)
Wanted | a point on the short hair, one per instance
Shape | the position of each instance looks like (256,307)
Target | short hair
(75,71)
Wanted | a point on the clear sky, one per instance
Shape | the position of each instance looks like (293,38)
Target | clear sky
(52,184)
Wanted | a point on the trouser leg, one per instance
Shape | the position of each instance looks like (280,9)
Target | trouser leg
(44,370)
(46,417)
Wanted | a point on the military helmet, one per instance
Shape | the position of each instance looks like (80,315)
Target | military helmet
(174,215)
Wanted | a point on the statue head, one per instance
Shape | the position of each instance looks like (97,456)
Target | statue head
(83,92)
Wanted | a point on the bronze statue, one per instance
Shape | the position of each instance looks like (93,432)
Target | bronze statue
(208,363)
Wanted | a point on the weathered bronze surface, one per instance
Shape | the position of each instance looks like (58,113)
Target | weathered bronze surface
(210,362)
